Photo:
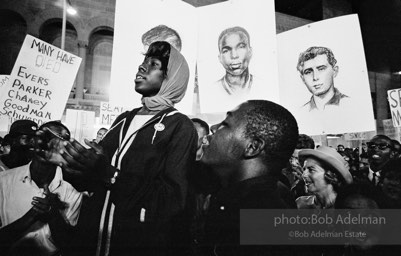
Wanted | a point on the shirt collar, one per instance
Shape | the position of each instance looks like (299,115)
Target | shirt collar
(230,90)
(335,100)
(377,173)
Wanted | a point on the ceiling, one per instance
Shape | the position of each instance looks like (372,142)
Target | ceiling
(380,25)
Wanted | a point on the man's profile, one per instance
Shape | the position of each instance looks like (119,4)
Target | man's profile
(235,53)
(317,68)
(161,33)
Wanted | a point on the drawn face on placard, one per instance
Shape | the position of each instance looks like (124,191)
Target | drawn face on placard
(235,52)
(318,75)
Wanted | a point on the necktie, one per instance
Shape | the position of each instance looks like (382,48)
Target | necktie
(374,178)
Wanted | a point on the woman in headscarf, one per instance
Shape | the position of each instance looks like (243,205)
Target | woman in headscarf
(144,158)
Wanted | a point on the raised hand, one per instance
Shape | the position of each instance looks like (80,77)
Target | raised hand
(79,158)
(48,145)
(84,165)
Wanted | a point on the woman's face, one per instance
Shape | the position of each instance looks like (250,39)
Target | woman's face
(150,77)
(313,176)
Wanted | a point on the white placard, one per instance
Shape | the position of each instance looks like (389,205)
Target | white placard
(40,82)
(394,99)
(81,124)
(128,49)
(109,113)
(350,109)
(257,18)
(3,82)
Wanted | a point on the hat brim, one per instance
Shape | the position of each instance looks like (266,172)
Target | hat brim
(330,160)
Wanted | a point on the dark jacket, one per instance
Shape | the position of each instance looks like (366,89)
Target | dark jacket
(222,230)
(150,192)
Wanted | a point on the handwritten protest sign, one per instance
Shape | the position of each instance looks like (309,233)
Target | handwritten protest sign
(40,82)
(109,112)
(3,81)
(394,99)
(4,120)
(356,136)
(389,129)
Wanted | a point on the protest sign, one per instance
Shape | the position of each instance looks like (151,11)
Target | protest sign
(3,81)
(4,120)
(236,58)
(81,124)
(128,48)
(394,99)
(109,112)
(323,82)
(40,82)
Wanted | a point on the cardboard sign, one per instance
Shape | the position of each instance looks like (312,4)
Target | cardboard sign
(324,81)
(394,99)
(355,136)
(3,81)
(40,82)
(81,124)
(237,59)
(128,48)
(109,113)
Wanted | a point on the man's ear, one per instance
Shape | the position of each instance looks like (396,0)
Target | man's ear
(336,69)
(254,148)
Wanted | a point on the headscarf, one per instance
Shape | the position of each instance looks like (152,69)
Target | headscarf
(174,85)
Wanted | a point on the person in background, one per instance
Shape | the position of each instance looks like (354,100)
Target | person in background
(1,145)
(390,182)
(6,145)
(138,173)
(203,130)
(20,137)
(364,200)
(294,169)
(397,149)
(364,151)
(100,134)
(247,151)
(325,172)
(202,183)
(380,152)
(340,148)
(38,208)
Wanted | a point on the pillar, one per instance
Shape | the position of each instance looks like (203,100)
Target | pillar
(79,90)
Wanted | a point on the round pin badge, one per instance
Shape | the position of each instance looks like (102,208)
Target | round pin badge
(159,127)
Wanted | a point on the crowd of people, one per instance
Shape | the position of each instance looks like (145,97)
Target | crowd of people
(160,183)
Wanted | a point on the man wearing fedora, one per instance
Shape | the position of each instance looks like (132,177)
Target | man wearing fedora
(20,136)
(325,171)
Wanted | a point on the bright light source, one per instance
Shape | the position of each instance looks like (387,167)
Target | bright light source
(71,11)
(397,73)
